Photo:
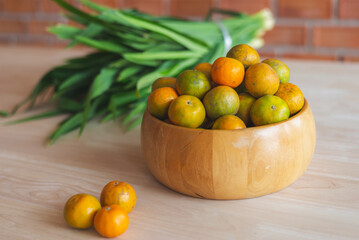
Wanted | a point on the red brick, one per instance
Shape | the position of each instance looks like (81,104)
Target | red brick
(38,27)
(191,8)
(108,3)
(310,56)
(286,35)
(247,6)
(349,9)
(346,37)
(7,26)
(50,6)
(350,58)
(305,8)
(155,7)
(21,5)
(267,54)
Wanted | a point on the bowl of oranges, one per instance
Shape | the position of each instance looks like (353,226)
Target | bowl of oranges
(233,129)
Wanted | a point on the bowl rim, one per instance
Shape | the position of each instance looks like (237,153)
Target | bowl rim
(298,114)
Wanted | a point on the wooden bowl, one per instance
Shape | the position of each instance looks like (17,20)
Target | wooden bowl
(229,164)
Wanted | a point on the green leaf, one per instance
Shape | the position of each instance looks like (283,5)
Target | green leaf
(135,123)
(102,45)
(138,109)
(64,31)
(128,72)
(161,55)
(158,28)
(93,6)
(69,105)
(4,113)
(76,78)
(36,117)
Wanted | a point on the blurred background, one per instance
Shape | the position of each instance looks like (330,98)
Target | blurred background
(305,29)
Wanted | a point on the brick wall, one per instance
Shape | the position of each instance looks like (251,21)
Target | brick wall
(305,29)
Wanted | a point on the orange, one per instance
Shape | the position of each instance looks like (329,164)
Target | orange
(245,54)
(187,111)
(205,68)
(111,221)
(244,108)
(159,101)
(261,80)
(119,193)
(192,82)
(269,109)
(229,122)
(227,71)
(80,210)
(221,100)
(292,95)
(280,68)
(164,82)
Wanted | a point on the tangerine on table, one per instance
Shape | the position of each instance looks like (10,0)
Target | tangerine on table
(159,101)
(119,193)
(228,122)
(221,100)
(187,111)
(280,68)
(245,54)
(111,221)
(261,80)
(269,109)
(164,82)
(80,209)
(243,113)
(205,68)
(292,95)
(192,82)
(227,71)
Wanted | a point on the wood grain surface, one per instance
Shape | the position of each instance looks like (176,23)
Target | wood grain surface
(36,181)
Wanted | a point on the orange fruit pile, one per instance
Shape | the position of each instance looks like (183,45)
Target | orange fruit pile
(235,92)
(110,217)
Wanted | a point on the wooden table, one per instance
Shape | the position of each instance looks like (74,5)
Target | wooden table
(36,181)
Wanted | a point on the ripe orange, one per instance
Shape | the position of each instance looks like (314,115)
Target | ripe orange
(245,54)
(159,101)
(192,82)
(187,111)
(205,68)
(280,68)
(164,82)
(80,210)
(269,109)
(244,108)
(221,100)
(292,95)
(111,221)
(119,193)
(261,80)
(227,71)
(229,122)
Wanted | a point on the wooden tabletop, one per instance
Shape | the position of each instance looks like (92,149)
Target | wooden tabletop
(36,181)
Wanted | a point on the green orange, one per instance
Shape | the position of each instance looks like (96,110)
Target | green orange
(227,71)
(269,109)
(243,113)
(194,83)
(261,80)
(220,101)
(292,95)
(159,101)
(164,82)
(187,111)
(228,122)
(245,54)
(280,68)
